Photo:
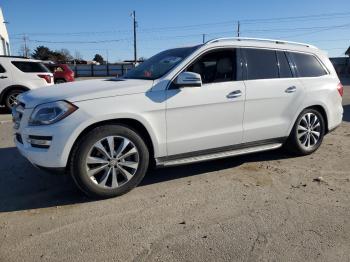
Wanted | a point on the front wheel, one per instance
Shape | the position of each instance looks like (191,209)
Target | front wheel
(109,161)
(11,98)
(307,133)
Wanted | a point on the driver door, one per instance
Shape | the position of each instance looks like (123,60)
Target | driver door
(209,116)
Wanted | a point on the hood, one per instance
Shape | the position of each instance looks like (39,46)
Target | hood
(85,90)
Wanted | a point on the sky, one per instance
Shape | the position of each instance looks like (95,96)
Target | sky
(105,26)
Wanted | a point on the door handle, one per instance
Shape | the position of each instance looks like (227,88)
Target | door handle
(2,77)
(234,94)
(291,89)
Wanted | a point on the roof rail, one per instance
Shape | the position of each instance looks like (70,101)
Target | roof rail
(259,40)
(14,56)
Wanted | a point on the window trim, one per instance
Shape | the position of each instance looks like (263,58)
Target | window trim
(288,62)
(240,77)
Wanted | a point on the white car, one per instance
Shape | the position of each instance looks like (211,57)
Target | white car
(224,98)
(19,74)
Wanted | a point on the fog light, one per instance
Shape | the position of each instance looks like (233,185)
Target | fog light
(40,141)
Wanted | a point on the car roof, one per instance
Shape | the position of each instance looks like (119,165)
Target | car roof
(263,43)
(19,58)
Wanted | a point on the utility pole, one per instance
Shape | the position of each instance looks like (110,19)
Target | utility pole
(203,38)
(238,28)
(25,51)
(135,25)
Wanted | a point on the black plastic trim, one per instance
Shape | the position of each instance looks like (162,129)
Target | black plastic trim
(222,149)
(49,138)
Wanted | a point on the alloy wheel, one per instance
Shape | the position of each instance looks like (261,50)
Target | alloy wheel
(309,131)
(12,99)
(112,161)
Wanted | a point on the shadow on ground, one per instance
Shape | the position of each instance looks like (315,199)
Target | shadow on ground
(3,111)
(346,116)
(24,187)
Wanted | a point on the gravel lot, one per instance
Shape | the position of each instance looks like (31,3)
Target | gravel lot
(258,207)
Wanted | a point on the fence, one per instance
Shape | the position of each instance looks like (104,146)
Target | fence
(81,70)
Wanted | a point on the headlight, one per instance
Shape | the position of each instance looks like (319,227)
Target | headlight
(50,113)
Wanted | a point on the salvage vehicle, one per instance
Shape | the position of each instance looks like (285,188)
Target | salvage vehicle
(227,97)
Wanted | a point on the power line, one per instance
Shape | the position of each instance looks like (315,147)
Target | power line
(194,26)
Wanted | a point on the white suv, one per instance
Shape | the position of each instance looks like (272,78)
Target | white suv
(19,74)
(224,98)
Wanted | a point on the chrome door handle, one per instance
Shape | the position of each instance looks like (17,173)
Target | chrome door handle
(291,89)
(234,94)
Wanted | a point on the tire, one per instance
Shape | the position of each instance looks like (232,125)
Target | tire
(9,98)
(306,129)
(60,81)
(121,174)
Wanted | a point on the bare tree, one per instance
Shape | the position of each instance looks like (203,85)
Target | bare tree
(77,55)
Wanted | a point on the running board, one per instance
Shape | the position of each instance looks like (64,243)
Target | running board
(200,158)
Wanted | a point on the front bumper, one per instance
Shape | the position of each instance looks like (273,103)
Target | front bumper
(60,139)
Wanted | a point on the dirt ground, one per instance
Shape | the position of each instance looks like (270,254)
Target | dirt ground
(262,207)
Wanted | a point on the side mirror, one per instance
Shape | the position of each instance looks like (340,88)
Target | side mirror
(188,79)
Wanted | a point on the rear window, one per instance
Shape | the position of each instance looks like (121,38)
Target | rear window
(262,64)
(308,65)
(30,67)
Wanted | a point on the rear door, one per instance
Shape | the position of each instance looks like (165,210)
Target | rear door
(273,95)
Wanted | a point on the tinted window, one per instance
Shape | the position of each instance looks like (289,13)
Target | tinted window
(217,66)
(262,64)
(30,67)
(2,70)
(307,65)
(283,65)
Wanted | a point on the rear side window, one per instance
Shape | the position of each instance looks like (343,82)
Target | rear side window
(261,64)
(30,67)
(307,65)
(2,70)
(283,65)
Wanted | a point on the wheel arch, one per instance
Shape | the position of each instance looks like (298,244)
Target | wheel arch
(7,89)
(323,112)
(134,124)
(320,108)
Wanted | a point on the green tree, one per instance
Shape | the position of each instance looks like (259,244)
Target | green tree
(42,53)
(99,59)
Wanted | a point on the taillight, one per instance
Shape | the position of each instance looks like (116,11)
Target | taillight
(340,89)
(46,77)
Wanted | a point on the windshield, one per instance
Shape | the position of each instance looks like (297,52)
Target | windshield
(160,64)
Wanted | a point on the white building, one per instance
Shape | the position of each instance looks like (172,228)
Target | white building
(4,37)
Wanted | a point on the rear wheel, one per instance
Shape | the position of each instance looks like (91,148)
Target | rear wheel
(110,161)
(60,81)
(11,98)
(307,133)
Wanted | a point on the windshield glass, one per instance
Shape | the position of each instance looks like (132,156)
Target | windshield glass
(160,64)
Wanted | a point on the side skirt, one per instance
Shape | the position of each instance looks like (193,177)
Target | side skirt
(217,153)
